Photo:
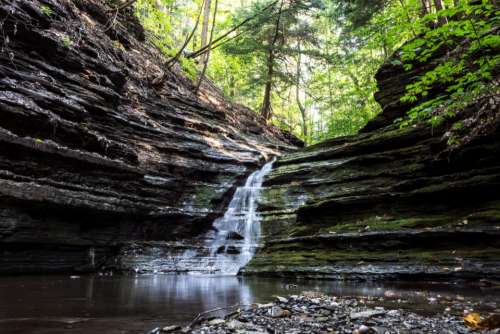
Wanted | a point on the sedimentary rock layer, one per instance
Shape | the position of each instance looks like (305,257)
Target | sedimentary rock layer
(94,152)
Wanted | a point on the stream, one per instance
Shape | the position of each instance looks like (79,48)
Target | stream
(136,304)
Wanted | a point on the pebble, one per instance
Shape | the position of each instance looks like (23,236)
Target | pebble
(235,324)
(393,313)
(169,329)
(278,312)
(364,330)
(216,322)
(281,299)
(366,314)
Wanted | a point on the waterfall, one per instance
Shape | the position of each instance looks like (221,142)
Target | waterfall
(238,231)
(224,250)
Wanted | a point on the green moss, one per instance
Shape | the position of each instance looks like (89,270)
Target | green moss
(318,257)
(304,230)
(204,196)
(283,198)
(384,223)
(206,193)
(484,217)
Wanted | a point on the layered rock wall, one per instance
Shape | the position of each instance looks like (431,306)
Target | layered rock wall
(391,201)
(94,153)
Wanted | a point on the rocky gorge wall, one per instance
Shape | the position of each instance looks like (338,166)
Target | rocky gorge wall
(94,154)
(389,202)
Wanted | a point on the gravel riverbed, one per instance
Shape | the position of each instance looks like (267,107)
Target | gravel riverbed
(315,313)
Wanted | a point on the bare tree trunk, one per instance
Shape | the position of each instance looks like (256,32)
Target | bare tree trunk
(265,110)
(303,110)
(206,56)
(384,48)
(440,6)
(426,7)
(330,87)
(206,21)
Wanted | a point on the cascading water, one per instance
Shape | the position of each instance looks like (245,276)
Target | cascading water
(238,231)
(223,251)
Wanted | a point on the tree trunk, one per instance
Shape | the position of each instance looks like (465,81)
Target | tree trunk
(330,87)
(206,56)
(206,21)
(426,7)
(303,110)
(265,111)
(231,84)
(440,6)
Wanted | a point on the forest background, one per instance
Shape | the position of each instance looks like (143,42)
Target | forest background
(308,66)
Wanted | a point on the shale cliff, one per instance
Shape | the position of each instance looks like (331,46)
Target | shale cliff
(94,153)
(391,201)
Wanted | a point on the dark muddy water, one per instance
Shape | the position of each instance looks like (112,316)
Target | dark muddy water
(127,304)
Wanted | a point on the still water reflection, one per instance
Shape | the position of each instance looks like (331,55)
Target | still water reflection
(124,304)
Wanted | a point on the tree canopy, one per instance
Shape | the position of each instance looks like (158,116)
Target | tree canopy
(308,66)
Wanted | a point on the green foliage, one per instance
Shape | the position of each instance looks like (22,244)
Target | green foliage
(341,45)
(46,10)
(189,68)
(358,13)
(67,42)
(157,22)
(165,29)
(471,57)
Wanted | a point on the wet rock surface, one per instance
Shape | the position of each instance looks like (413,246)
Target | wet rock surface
(316,313)
(390,201)
(93,154)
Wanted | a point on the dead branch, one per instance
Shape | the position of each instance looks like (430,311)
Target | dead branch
(199,318)
(123,6)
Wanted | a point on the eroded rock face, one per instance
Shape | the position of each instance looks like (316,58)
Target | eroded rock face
(388,202)
(93,154)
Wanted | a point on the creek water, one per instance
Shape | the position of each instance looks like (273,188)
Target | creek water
(136,304)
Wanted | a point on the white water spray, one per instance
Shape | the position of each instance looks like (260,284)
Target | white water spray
(238,232)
